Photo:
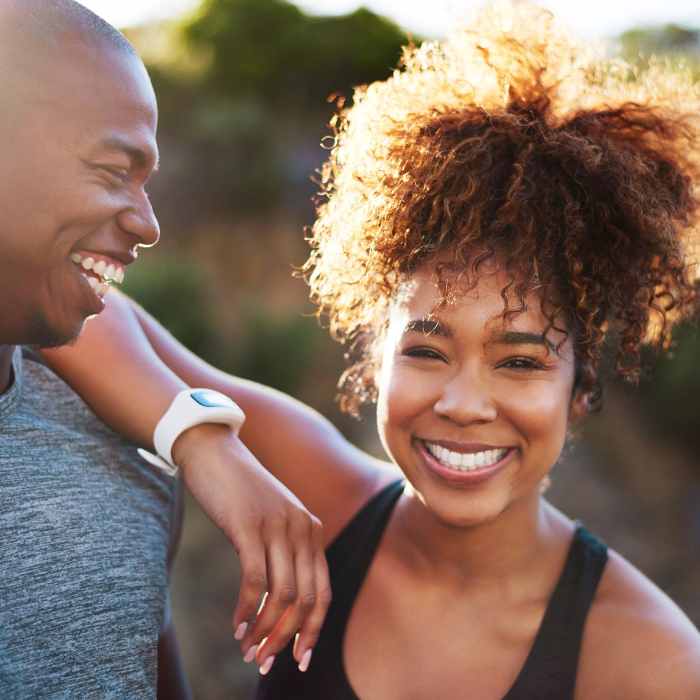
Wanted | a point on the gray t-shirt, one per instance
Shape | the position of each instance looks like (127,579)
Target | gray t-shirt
(84,542)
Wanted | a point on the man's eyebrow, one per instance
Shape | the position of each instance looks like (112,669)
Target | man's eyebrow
(138,157)
(520,338)
(428,326)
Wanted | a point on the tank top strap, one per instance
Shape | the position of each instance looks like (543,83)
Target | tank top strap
(550,670)
(350,554)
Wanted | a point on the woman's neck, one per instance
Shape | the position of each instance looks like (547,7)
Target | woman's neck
(525,537)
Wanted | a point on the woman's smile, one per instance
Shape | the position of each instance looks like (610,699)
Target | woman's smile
(463,468)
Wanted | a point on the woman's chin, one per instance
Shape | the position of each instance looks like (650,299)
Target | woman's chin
(462,510)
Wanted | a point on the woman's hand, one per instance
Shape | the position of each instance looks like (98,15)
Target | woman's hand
(279,543)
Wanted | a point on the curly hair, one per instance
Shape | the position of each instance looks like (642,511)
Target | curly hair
(578,171)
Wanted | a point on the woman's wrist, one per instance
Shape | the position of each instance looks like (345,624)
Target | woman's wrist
(200,438)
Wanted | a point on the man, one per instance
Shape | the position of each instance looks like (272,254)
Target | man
(85,526)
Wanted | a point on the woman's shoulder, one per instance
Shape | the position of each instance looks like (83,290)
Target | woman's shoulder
(362,480)
(637,642)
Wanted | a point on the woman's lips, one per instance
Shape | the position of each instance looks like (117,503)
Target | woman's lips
(458,477)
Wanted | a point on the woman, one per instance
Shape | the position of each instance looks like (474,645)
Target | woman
(495,210)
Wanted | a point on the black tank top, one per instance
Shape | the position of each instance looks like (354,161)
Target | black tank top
(549,672)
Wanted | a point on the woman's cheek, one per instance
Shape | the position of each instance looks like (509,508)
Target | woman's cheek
(399,393)
(541,412)
(403,404)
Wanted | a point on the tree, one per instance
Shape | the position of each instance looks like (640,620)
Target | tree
(271,50)
(669,40)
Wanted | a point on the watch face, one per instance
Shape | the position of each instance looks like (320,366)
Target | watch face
(211,399)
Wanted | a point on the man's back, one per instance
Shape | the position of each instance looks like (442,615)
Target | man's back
(85,532)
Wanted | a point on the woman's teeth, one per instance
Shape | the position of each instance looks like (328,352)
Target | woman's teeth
(465,461)
(102,274)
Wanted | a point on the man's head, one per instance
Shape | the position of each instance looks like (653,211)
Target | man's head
(78,132)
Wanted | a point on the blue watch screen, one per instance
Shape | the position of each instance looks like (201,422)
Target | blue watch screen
(211,399)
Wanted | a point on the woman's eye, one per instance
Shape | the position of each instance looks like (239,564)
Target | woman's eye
(521,363)
(426,353)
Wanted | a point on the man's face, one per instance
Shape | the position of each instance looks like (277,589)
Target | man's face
(76,159)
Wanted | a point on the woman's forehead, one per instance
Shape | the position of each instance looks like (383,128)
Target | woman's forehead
(440,288)
(453,300)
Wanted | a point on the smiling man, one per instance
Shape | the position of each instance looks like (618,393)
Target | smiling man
(79,119)
(85,532)
(86,528)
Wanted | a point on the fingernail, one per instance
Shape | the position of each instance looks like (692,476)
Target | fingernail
(240,631)
(250,654)
(267,665)
(305,660)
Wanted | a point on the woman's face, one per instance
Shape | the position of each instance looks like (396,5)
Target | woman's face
(473,409)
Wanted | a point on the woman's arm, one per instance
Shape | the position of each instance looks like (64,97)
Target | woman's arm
(128,369)
(298,445)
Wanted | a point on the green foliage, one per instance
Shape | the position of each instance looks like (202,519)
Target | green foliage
(175,293)
(680,44)
(278,351)
(270,50)
(242,95)
(666,39)
(275,350)
(671,395)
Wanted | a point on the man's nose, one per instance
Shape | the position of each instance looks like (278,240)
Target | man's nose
(140,221)
(466,398)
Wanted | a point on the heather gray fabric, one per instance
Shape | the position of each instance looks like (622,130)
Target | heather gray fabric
(84,540)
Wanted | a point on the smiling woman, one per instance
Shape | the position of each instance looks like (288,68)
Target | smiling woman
(494,212)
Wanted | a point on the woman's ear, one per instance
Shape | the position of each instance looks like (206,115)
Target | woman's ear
(580,406)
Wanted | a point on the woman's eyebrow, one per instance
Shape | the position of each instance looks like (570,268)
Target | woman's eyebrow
(519,338)
(428,326)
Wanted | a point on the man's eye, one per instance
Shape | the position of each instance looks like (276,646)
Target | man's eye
(426,353)
(121,174)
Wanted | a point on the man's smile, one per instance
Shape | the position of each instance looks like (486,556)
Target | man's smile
(100,271)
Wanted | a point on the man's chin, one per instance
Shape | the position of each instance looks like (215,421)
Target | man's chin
(46,335)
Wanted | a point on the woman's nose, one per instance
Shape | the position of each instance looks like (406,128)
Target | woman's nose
(466,398)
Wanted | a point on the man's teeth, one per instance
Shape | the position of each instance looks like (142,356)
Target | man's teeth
(100,288)
(464,461)
(107,272)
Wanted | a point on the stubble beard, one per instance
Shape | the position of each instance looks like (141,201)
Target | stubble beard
(44,335)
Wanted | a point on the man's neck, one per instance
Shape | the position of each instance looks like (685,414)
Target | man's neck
(6,352)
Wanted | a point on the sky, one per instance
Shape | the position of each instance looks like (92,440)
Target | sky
(592,18)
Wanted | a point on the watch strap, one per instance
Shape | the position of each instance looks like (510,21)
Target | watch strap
(189,408)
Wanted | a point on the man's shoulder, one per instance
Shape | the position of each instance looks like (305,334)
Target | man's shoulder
(637,643)
(51,405)
(86,530)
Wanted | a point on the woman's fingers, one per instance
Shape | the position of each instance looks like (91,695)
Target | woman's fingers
(254,582)
(282,590)
(280,634)
(298,595)
(305,617)
(312,623)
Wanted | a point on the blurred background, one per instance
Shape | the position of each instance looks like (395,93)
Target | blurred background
(244,89)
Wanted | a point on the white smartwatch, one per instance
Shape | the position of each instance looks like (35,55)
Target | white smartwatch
(189,408)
